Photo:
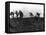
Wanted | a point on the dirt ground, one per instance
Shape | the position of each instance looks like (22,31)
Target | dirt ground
(27,24)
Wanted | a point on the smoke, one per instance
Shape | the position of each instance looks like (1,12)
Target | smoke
(27,8)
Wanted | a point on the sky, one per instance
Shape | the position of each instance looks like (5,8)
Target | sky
(27,8)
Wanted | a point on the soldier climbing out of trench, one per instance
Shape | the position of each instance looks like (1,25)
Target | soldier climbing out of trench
(21,20)
(37,16)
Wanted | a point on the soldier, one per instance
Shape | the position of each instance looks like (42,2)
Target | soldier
(17,14)
(31,14)
(21,14)
(20,21)
(11,15)
(38,14)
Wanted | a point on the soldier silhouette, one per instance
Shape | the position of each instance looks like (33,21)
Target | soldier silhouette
(38,14)
(12,14)
(21,14)
(31,14)
(21,20)
(17,14)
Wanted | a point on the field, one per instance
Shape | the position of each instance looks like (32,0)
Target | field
(31,24)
